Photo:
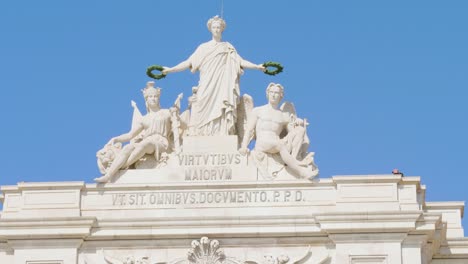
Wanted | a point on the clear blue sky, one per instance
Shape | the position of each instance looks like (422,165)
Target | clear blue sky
(383,83)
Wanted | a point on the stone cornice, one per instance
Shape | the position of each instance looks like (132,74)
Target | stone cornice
(455,205)
(45,243)
(411,180)
(265,241)
(46,228)
(453,249)
(205,185)
(21,186)
(366,238)
(428,223)
(368,222)
(278,226)
(378,178)
(50,185)
(9,188)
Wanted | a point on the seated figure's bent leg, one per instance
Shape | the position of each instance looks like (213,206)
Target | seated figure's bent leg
(118,163)
(144,147)
(297,141)
(294,164)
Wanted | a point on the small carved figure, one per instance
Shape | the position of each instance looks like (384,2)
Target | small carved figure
(268,123)
(214,107)
(149,135)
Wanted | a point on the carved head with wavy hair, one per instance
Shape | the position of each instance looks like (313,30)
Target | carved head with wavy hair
(274,92)
(216,26)
(216,19)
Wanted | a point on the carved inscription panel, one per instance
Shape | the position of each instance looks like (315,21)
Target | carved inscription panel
(180,198)
(208,167)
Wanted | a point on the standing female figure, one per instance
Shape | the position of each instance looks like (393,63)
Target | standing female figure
(215,104)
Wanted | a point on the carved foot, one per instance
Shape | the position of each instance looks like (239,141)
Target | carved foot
(309,173)
(308,160)
(314,174)
(102,179)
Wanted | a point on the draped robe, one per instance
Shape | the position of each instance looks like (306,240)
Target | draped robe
(214,111)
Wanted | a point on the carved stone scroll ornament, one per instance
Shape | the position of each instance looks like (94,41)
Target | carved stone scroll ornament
(206,251)
(284,259)
(129,259)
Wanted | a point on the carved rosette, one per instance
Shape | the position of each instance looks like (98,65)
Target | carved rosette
(205,251)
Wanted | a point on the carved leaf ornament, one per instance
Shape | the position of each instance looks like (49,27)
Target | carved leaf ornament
(205,251)
(278,67)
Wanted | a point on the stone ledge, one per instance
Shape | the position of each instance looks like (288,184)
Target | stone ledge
(453,249)
(226,220)
(428,224)
(219,232)
(225,241)
(47,221)
(371,178)
(204,185)
(50,185)
(45,244)
(46,228)
(368,238)
(457,205)
(42,186)
(255,226)
(411,179)
(9,188)
(368,222)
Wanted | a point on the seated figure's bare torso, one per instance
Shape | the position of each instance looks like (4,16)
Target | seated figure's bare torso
(270,123)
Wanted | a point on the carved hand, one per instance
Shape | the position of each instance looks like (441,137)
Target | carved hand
(192,98)
(243,151)
(261,67)
(166,70)
(111,142)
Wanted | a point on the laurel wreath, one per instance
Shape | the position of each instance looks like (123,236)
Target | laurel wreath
(150,69)
(276,65)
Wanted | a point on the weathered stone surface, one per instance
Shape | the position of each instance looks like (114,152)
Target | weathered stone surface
(343,219)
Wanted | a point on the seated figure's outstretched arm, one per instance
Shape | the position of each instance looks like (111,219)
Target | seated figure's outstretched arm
(127,136)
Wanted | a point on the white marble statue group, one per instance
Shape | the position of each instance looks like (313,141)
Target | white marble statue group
(216,108)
